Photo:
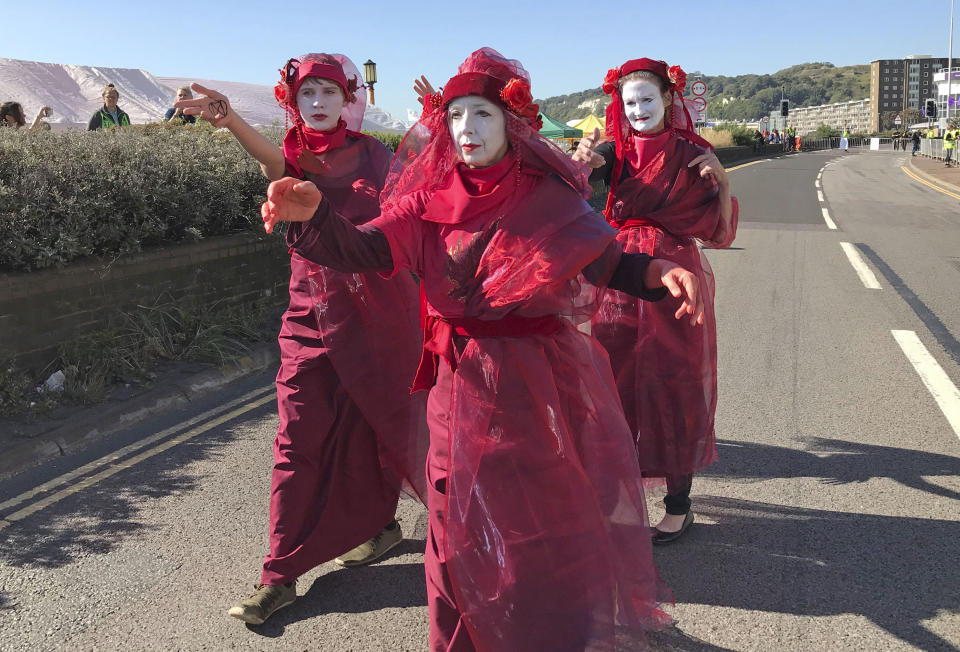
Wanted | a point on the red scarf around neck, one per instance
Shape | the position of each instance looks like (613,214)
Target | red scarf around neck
(301,145)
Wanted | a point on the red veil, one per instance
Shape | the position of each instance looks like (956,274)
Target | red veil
(618,127)
(300,140)
(428,155)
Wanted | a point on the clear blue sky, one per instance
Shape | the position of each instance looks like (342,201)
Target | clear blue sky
(564,47)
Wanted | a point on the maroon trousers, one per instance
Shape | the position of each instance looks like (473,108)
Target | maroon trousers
(329,492)
(448,632)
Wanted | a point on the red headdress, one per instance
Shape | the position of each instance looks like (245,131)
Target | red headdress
(428,155)
(618,128)
(300,139)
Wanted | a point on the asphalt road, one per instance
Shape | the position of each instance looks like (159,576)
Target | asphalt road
(829,523)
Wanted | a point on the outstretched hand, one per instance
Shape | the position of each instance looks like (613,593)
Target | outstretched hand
(289,200)
(585,153)
(422,88)
(710,166)
(213,106)
(681,283)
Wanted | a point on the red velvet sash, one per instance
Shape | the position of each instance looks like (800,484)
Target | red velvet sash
(438,335)
(633,223)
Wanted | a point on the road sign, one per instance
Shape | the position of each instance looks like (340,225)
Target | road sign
(898,121)
(699,87)
(700,103)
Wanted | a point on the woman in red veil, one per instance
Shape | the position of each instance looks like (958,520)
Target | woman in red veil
(537,536)
(349,343)
(669,196)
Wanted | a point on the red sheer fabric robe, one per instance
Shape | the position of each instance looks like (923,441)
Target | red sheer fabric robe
(666,369)
(350,344)
(538,537)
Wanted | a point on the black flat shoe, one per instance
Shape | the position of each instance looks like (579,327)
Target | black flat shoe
(660,538)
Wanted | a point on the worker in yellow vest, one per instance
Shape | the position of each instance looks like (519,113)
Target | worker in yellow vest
(949,144)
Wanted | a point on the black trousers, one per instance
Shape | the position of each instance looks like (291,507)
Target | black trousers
(677,499)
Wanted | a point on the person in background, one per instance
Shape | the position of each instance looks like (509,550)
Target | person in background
(915,137)
(949,144)
(845,141)
(11,115)
(110,115)
(669,197)
(175,115)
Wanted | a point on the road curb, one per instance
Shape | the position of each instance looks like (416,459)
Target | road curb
(42,443)
(932,179)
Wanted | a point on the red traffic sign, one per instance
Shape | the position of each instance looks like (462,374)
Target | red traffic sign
(898,120)
(700,103)
(699,87)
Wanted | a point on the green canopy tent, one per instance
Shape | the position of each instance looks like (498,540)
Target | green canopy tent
(553,129)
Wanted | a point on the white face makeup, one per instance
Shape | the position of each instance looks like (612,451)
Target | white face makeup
(643,104)
(320,102)
(479,130)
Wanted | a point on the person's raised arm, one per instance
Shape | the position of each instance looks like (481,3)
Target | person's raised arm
(41,114)
(214,107)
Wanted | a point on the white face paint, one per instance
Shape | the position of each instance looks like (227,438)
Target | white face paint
(643,104)
(320,102)
(479,129)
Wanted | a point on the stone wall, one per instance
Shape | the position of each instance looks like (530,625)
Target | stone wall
(40,310)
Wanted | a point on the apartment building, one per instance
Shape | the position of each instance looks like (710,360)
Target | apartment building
(898,84)
(854,116)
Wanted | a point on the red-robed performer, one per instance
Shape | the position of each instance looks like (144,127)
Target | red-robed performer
(668,194)
(538,538)
(349,344)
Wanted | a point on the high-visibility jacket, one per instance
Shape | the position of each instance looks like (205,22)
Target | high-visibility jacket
(950,139)
(103,120)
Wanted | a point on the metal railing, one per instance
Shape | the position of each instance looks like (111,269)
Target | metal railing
(932,147)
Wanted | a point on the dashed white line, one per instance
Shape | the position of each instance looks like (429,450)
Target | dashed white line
(820,196)
(860,267)
(826,218)
(944,392)
(816,184)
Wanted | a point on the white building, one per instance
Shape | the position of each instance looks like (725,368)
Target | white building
(940,79)
(854,116)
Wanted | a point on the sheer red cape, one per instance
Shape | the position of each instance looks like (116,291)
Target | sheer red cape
(666,370)
(546,539)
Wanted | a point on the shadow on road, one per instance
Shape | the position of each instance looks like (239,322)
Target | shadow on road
(97,518)
(897,572)
(835,461)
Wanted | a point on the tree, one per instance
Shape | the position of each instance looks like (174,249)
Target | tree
(824,131)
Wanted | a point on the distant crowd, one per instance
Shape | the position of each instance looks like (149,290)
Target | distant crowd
(108,116)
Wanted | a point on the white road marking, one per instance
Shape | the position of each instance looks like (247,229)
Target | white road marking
(944,392)
(820,196)
(826,218)
(860,267)
(816,184)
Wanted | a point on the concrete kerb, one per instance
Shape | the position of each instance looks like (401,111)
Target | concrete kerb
(22,451)
(931,178)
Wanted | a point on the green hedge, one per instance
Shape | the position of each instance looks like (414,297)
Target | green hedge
(67,195)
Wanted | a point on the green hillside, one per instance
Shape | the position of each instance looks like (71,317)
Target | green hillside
(744,97)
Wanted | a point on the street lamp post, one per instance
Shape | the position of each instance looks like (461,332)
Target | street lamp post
(370,75)
(949,68)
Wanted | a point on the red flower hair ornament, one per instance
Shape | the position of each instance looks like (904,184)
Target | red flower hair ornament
(611,81)
(518,98)
(678,78)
